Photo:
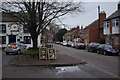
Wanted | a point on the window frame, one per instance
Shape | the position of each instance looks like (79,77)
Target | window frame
(25,40)
(107,42)
(115,22)
(115,41)
(2,39)
(3,26)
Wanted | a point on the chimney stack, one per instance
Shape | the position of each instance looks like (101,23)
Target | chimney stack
(119,5)
(102,17)
(81,27)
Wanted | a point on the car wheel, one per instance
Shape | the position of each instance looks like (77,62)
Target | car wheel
(18,52)
(7,53)
(98,51)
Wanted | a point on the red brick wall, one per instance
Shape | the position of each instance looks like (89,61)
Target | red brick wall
(70,37)
(93,33)
(110,26)
(86,36)
(102,17)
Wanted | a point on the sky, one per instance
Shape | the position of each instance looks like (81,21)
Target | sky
(89,14)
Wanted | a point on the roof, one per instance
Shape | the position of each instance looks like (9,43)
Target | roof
(114,15)
(91,24)
(7,18)
(69,33)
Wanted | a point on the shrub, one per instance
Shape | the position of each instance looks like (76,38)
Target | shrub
(102,41)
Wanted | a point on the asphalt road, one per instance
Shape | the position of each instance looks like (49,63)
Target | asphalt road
(98,66)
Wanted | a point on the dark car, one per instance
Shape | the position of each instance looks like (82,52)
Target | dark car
(80,46)
(93,47)
(106,49)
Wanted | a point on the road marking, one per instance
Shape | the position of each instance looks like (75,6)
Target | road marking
(102,70)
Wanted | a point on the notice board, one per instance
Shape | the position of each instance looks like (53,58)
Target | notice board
(42,53)
(51,53)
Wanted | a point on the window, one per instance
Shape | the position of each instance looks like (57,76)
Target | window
(107,40)
(116,40)
(27,39)
(26,30)
(2,39)
(107,24)
(115,23)
(2,28)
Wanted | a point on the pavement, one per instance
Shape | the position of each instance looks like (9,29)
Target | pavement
(61,60)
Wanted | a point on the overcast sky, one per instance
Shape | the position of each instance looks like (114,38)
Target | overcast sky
(90,13)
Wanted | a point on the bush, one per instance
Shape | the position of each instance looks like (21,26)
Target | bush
(102,41)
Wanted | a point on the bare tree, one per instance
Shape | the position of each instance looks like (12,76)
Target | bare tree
(38,15)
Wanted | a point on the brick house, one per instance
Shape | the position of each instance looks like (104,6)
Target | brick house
(91,32)
(71,34)
(47,36)
(81,34)
(112,29)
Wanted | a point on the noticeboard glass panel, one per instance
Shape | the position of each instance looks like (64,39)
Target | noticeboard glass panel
(43,53)
(51,53)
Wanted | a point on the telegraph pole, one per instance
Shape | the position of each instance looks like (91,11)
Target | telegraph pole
(98,22)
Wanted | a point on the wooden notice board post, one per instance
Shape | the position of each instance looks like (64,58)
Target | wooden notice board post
(42,53)
(51,53)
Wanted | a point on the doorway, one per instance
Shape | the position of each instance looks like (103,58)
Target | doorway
(12,38)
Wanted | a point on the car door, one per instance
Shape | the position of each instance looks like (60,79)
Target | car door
(102,49)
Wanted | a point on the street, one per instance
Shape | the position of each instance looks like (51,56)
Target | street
(98,66)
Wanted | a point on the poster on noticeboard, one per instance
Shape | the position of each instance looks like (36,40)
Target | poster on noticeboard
(42,53)
(51,53)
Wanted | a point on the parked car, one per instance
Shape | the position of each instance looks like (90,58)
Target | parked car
(73,44)
(106,49)
(64,43)
(69,43)
(15,48)
(93,47)
(61,43)
(80,46)
(58,42)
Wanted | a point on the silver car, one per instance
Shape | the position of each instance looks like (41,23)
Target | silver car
(15,48)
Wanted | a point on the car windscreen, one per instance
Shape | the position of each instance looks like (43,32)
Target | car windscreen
(96,44)
(81,43)
(108,46)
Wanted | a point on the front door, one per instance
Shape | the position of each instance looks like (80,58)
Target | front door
(12,38)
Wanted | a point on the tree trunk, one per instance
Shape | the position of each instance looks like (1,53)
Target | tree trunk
(35,41)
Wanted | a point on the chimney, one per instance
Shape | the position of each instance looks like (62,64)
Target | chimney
(119,5)
(119,8)
(102,17)
(81,27)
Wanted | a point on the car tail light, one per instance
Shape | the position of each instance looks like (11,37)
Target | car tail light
(5,46)
(92,46)
(14,47)
(11,43)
